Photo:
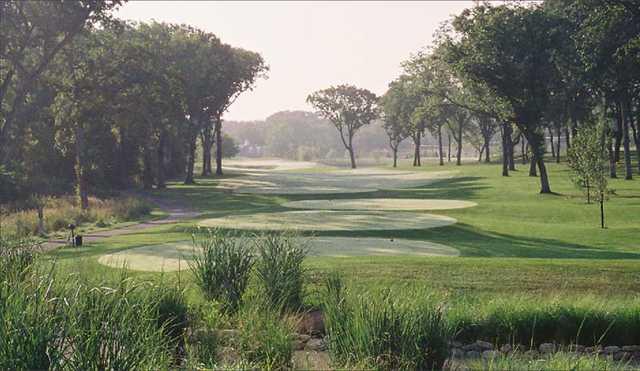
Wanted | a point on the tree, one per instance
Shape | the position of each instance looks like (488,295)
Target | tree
(588,160)
(489,49)
(32,34)
(393,119)
(348,108)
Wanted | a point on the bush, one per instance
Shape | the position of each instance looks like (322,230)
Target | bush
(222,266)
(62,211)
(279,268)
(383,331)
(265,337)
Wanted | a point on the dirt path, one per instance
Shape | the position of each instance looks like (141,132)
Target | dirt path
(175,213)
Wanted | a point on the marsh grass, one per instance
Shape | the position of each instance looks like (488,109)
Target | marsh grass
(221,266)
(557,361)
(519,319)
(385,331)
(62,211)
(280,269)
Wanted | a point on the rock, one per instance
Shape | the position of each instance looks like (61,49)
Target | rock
(315,344)
(532,353)
(546,348)
(621,356)
(472,354)
(491,354)
(311,323)
(302,337)
(471,347)
(455,344)
(636,356)
(484,345)
(506,348)
(631,348)
(576,348)
(297,345)
(611,349)
(457,353)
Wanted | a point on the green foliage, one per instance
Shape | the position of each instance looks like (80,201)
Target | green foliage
(385,330)
(264,336)
(280,270)
(222,266)
(229,146)
(589,161)
(557,361)
(17,256)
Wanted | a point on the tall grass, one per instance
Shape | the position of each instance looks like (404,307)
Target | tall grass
(385,331)
(588,320)
(279,269)
(222,266)
(557,361)
(17,255)
(62,211)
(265,336)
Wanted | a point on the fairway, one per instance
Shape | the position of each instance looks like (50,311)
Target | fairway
(406,204)
(324,220)
(176,256)
(329,181)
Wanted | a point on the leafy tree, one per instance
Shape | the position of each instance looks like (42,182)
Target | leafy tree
(348,108)
(588,160)
(32,33)
(489,49)
(393,119)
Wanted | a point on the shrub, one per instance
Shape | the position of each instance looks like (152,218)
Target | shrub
(279,268)
(384,331)
(221,266)
(265,337)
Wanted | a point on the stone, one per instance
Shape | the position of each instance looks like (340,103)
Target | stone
(546,348)
(611,349)
(457,353)
(484,345)
(297,345)
(532,353)
(311,323)
(302,337)
(491,354)
(506,348)
(471,347)
(472,354)
(576,348)
(316,344)
(455,344)
(631,348)
(636,355)
(621,356)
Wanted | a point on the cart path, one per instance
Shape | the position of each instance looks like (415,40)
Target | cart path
(176,212)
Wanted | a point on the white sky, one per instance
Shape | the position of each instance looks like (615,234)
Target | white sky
(309,45)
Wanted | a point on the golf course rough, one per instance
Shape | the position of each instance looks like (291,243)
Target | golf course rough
(396,204)
(328,220)
(176,256)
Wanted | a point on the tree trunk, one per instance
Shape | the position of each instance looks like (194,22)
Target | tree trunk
(602,210)
(416,152)
(566,137)
(627,149)
(612,162)
(441,155)
(81,168)
(505,150)
(512,162)
(618,135)
(191,159)
(395,156)
(553,148)
(147,169)
(558,132)
(352,156)
(636,139)
(523,150)
(487,145)
(448,144)
(459,142)
(544,179)
(41,230)
(207,143)
(160,173)
(481,153)
(532,166)
(218,134)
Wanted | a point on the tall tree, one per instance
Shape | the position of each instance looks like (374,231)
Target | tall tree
(348,108)
(393,119)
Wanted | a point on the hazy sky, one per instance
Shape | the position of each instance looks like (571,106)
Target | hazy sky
(309,45)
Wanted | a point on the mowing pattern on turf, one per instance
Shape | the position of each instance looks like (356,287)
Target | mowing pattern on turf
(325,220)
(176,256)
(399,204)
(332,181)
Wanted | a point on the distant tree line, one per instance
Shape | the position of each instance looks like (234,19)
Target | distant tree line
(92,103)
